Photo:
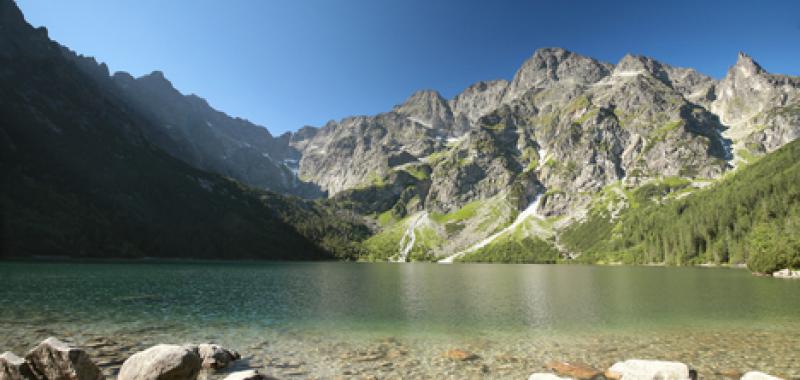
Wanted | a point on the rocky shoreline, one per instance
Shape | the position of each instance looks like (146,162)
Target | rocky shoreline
(53,359)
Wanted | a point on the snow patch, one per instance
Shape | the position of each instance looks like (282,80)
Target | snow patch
(424,123)
(410,237)
(529,211)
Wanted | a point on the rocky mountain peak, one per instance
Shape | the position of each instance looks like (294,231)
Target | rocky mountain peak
(634,63)
(745,66)
(427,107)
(421,98)
(479,99)
(551,65)
(156,79)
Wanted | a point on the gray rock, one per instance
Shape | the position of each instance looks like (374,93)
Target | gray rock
(162,362)
(216,356)
(13,367)
(53,359)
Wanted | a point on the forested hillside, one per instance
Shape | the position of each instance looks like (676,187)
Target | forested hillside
(752,217)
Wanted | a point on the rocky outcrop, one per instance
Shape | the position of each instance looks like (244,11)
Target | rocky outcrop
(162,362)
(53,359)
(13,367)
(649,370)
(215,356)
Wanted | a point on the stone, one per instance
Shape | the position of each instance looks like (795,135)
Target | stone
(215,356)
(787,273)
(248,375)
(546,376)
(575,370)
(649,369)
(755,375)
(460,355)
(728,373)
(53,359)
(13,367)
(162,362)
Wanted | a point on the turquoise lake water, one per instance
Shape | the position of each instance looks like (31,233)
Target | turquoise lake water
(532,311)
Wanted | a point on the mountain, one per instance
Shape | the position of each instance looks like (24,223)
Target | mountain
(83,175)
(191,130)
(563,131)
(535,169)
(762,110)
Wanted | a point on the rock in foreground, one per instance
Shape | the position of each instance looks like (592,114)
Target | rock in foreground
(460,355)
(546,376)
(162,362)
(648,369)
(13,367)
(215,356)
(55,360)
(579,371)
(787,273)
(753,375)
(248,375)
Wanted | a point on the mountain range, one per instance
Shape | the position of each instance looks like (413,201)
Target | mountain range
(504,166)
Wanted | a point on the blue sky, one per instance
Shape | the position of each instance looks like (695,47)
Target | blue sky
(288,63)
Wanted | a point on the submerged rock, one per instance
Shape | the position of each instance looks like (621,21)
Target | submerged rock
(754,375)
(649,369)
(248,375)
(13,367)
(216,356)
(578,371)
(55,360)
(162,362)
(546,376)
(460,355)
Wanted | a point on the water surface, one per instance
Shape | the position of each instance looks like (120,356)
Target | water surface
(328,319)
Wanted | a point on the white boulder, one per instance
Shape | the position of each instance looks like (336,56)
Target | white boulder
(754,375)
(162,362)
(787,273)
(248,375)
(650,370)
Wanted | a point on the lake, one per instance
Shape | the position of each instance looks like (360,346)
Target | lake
(298,320)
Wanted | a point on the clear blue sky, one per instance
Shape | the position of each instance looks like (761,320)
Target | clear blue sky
(288,63)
